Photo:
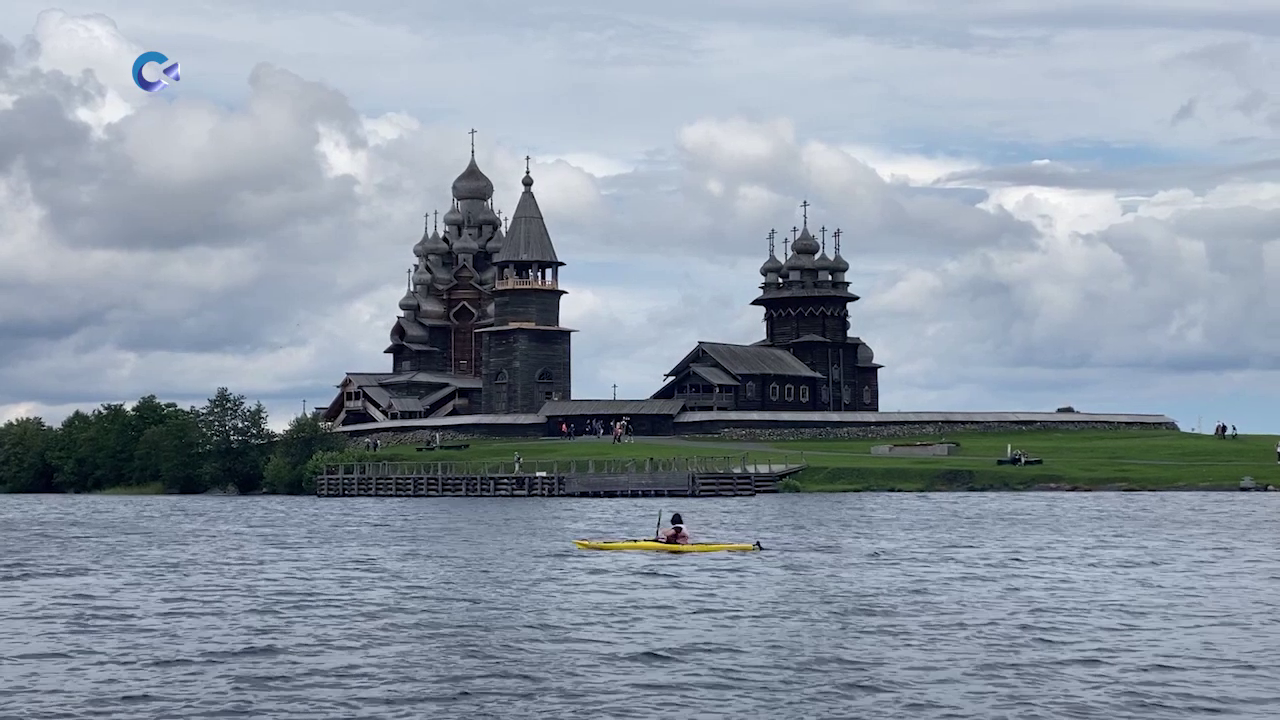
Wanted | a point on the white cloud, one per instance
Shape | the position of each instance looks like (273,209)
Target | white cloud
(171,242)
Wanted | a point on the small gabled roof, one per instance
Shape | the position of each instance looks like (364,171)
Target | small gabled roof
(742,360)
(561,408)
(713,375)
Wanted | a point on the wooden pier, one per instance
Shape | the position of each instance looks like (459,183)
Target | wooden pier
(716,476)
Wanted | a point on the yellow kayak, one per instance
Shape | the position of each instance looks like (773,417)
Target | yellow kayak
(664,547)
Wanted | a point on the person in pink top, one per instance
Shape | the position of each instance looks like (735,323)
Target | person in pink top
(675,534)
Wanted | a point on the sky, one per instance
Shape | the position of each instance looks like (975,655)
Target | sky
(1044,203)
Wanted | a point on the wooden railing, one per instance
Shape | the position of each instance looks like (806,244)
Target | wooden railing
(603,466)
(715,399)
(513,283)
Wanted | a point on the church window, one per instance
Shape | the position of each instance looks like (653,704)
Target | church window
(546,395)
(804,393)
(502,377)
(544,375)
(847,394)
(826,394)
(751,389)
(791,392)
(500,400)
(773,391)
(866,394)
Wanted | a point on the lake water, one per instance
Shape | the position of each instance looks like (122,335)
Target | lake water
(1097,605)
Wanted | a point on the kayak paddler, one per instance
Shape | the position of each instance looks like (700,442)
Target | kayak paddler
(676,533)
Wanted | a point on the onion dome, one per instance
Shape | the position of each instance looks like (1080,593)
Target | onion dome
(805,244)
(799,261)
(839,265)
(824,263)
(408,302)
(865,355)
(772,265)
(453,217)
(422,275)
(436,245)
(466,243)
(420,247)
(494,246)
(430,308)
(488,217)
(472,184)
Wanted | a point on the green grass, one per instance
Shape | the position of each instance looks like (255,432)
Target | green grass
(1123,459)
(143,489)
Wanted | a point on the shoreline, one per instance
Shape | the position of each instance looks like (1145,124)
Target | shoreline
(1118,460)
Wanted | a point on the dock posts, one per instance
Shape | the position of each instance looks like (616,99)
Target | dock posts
(713,475)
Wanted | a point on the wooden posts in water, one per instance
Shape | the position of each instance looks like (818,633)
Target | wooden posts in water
(698,476)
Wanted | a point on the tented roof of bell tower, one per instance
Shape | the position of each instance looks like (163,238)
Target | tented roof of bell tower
(527,239)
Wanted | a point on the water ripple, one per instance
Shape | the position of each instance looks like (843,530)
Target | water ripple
(1135,605)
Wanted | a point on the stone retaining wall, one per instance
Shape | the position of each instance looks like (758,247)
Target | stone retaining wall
(413,437)
(426,436)
(902,430)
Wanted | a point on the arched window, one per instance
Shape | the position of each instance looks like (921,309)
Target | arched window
(502,377)
(751,389)
(773,391)
(804,393)
(544,375)
(791,392)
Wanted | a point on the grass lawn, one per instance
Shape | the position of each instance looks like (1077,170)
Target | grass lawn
(1130,459)
(143,489)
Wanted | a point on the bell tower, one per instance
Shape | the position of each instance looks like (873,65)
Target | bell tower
(526,352)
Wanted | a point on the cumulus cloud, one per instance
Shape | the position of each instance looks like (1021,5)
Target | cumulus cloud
(181,240)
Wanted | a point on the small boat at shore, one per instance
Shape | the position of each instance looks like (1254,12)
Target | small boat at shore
(655,546)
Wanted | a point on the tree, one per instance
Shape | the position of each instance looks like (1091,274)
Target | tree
(286,471)
(75,464)
(94,451)
(24,456)
(170,454)
(236,440)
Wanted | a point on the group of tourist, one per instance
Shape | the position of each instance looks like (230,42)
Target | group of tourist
(1220,431)
(622,429)
(372,445)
